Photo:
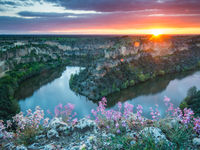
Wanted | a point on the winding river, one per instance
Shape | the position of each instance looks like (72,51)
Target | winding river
(52,88)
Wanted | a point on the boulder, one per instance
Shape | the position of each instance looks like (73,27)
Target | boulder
(21,147)
(1,135)
(58,125)
(39,137)
(49,147)
(52,133)
(85,124)
(196,141)
(9,146)
(35,146)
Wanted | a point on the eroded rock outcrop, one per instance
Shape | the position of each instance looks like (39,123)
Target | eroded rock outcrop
(136,60)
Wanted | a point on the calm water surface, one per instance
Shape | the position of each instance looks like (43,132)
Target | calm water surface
(52,88)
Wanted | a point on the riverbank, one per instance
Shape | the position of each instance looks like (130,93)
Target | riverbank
(11,81)
(122,128)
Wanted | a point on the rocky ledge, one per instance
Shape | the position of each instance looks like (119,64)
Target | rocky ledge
(86,134)
(119,129)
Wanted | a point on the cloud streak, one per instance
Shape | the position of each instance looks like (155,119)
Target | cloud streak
(90,15)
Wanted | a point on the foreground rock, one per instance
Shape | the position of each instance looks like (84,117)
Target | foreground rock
(196,141)
(85,134)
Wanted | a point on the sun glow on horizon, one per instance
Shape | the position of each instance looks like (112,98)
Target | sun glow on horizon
(156,32)
(105,31)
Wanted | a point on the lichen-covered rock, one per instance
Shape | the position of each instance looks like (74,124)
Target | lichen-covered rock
(39,137)
(9,146)
(52,133)
(58,125)
(49,147)
(21,147)
(1,135)
(85,124)
(35,146)
(133,142)
(196,141)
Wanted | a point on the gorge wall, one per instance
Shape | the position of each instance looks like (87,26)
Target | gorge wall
(136,59)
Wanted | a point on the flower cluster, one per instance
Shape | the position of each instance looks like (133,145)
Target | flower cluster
(128,110)
(197,125)
(115,120)
(107,118)
(66,113)
(3,128)
(186,116)
(139,114)
(155,114)
(30,120)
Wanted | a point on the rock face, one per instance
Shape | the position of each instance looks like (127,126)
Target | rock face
(127,64)
(34,50)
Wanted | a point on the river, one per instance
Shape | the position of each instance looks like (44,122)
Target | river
(52,88)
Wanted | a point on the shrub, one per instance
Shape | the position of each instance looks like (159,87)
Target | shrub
(132,82)
(161,72)
(183,105)
(192,91)
(104,92)
(141,77)
(198,64)
(125,84)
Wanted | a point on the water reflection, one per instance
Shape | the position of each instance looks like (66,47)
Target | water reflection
(52,87)
(152,92)
(54,93)
(28,87)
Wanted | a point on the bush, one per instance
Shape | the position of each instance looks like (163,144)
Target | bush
(104,92)
(132,82)
(141,77)
(192,91)
(183,105)
(161,72)
(125,84)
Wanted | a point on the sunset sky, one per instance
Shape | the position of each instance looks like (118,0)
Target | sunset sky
(99,16)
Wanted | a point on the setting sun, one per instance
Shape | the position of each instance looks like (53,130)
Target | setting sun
(156,32)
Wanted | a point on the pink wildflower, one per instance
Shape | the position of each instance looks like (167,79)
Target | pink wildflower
(74,121)
(197,125)
(119,104)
